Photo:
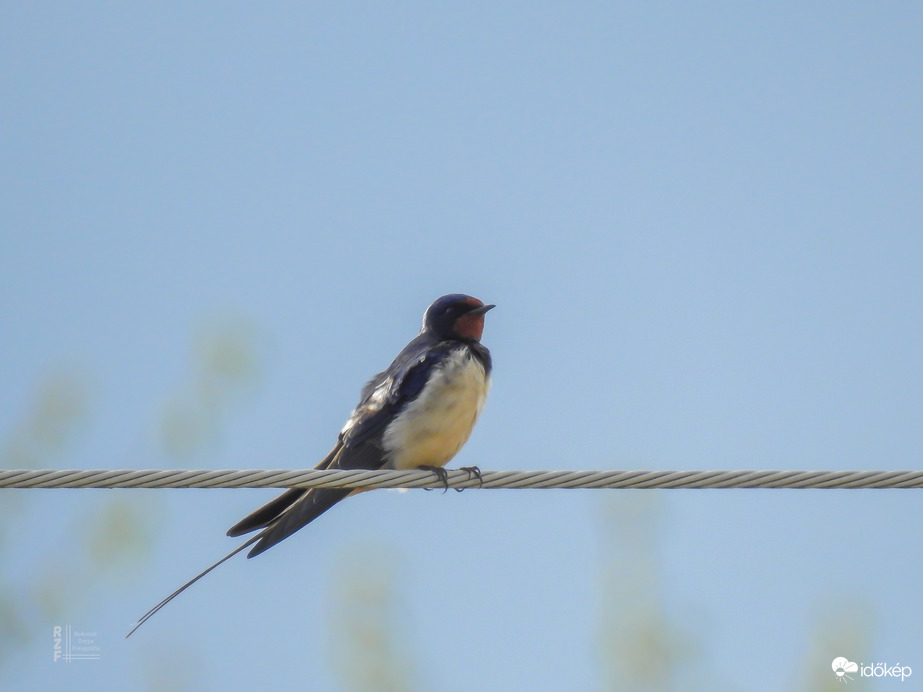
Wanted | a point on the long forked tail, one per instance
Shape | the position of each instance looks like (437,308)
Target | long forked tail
(148,614)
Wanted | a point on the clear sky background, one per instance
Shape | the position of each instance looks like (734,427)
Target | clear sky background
(702,225)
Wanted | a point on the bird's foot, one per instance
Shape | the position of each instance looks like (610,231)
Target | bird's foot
(441,474)
(473,472)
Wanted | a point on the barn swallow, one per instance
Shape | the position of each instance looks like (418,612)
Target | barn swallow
(416,414)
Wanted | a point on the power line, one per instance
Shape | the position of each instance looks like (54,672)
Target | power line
(457,479)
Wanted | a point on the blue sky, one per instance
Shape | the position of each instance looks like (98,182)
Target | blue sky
(702,229)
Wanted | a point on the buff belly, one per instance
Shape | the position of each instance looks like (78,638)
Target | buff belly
(435,426)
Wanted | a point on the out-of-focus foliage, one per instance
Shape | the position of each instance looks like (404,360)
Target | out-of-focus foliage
(641,648)
(839,632)
(645,649)
(226,367)
(116,533)
(59,410)
(368,647)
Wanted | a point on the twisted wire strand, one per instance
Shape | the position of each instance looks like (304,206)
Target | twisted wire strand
(457,479)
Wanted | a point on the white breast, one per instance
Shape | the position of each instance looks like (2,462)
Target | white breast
(433,427)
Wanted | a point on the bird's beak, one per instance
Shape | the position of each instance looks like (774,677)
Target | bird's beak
(481,310)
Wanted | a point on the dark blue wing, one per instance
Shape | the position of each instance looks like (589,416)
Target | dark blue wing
(386,395)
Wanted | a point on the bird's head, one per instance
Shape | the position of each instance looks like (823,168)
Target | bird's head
(456,316)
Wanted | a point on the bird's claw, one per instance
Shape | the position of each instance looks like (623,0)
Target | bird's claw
(441,474)
(473,472)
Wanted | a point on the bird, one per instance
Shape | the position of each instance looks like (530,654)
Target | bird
(416,414)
